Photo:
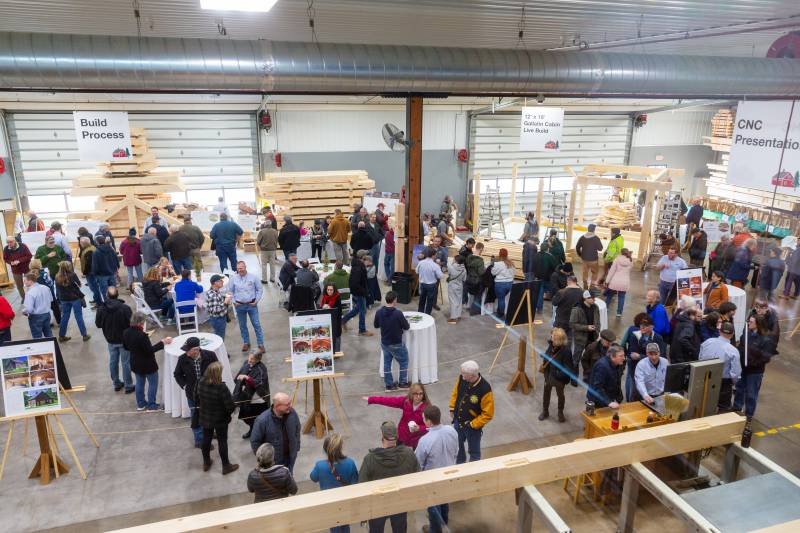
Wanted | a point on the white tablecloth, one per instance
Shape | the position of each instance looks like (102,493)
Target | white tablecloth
(174,397)
(601,306)
(737,297)
(423,358)
(304,252)
(319,268)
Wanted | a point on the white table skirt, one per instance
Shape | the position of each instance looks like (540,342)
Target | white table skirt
(737,297)
(601,306)
(174,396)
(304,252)
(423,358)
(319,268)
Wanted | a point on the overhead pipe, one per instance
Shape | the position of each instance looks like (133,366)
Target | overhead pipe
(59,62)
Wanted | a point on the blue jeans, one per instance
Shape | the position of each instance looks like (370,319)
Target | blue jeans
(791,279)
(609,297)
(375,252)
(198,431)
(438,515)
(544,286)
(249,310)
(92,282)
(472,437)
(218,324)
(117,354)
(167,307)
(226,253)
(399,352)
(746,394)
(388,265)
(664,288)
(40,325)
(427,297)
(360,309)
(186,264)
(152,387)
(501,289)
(66,309)
(138,270)
(104,282)
(340,529)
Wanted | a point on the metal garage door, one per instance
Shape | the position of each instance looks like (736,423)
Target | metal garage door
(586,138)
(211,151)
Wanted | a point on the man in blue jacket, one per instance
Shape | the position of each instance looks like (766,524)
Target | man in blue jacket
(104,265)
(605,389)
(224,235)
(658,314)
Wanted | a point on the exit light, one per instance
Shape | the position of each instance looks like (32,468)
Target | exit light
(261,6)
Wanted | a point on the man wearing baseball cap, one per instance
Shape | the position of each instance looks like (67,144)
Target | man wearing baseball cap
(721,348)
(596,351)
(584,323)
(651,374)
(217,304)
(391,459)
(190,368)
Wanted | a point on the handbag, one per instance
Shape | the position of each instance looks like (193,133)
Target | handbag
(242,392)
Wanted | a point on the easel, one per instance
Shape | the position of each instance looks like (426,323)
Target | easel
(795,330)
(318,419)
(48,445)
(520,377)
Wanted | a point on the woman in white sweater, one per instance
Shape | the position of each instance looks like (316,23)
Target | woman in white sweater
(618,280)
(503,272)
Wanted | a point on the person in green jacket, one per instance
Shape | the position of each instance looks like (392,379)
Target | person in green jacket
(615,246)
(339,278)
(50,255)
(556,247)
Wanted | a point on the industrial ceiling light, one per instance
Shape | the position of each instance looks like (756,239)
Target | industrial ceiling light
(261,6)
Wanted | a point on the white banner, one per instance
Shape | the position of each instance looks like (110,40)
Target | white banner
(690,283)
(205,220)
(30,378)
(92,226)
(540,129)
(760,139)
(248,222)
(33,239)
(102,135)
(715,229)
(311,338)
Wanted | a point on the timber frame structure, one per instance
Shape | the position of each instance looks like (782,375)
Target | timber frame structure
(354,503)
(655,180)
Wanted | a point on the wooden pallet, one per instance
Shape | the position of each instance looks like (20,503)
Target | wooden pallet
(617,215)
(722,124)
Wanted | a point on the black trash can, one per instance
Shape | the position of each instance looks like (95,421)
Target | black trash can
(401,284)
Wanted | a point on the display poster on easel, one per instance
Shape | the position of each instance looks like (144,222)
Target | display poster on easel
(205,220)
(388,199)
(33,239)
(690,283)
(715,229)
(30,378)
(311,339)
(248,222)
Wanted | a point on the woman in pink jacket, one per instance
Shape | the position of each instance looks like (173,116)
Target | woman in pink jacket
(618,280)
(411,427)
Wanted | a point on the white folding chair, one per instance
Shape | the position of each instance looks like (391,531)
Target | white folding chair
(347,303)
(186,321)
(283,295)
(142,307)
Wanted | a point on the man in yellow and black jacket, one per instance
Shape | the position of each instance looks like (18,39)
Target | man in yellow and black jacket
(471,407)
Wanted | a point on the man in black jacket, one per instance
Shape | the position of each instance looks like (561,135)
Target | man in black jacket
(104,265)
(280,426)
(530,259)
(605,389)
(289,237)
(558,280)
(188,371)
(358,292)
(686,338)
(361,239)
(564,301)
(114,317)
(179,247)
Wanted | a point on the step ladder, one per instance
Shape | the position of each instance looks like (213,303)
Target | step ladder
(557,218)
(667,221)
(490,213)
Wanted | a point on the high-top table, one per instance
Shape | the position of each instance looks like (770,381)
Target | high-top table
(423,358)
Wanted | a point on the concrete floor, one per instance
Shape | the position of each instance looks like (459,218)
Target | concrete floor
(146,468)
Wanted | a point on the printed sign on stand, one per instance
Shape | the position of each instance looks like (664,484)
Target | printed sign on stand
(311,338)
(765,149)
(30,378)
(92,226)
(715,229)
(690,283)
(540,129)
(33,239)
(248,222)
(205,220)
(102,135)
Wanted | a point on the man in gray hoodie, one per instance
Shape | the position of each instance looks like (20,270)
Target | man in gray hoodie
(391,459)
(151,249)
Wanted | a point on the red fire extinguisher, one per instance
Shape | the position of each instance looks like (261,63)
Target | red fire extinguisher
(278,159)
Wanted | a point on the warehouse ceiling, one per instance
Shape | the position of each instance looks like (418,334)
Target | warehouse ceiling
(629,25)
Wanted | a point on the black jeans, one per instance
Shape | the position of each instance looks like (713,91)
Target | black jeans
(549,385)
(5,335)
(725,395)
(398,521)
(222,443)
(316,250)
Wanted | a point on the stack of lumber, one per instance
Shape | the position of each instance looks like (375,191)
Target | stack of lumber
(128,188)
(722,123)
(306,196)
(491,247)
(617,215)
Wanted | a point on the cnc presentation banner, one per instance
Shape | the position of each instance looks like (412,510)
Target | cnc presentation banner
(30,378)
(102,135)
(312,345)
(690,283)
(540,129)
(760,139)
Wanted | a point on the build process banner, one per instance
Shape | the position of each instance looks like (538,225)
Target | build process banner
(540,129)
(102,135)
(765,149)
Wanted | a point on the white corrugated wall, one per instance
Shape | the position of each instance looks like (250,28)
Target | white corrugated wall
(674,128)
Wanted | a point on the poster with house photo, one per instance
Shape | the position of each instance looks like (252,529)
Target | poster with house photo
(29,378)
(311,338)
(690,283)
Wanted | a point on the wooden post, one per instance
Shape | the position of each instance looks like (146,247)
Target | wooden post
(647,228)
(512,203)
(413,174)
(795,330)
(317,419)
(476,201)
(571,215)
(42,467)
(520,378)
(8,445)
(539,198)
(581,203)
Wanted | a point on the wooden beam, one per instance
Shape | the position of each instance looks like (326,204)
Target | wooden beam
(581,202)
(642,185)
(539,198)
(351,504)
(476,201)
(512,202)
(571,215)
(633,170)
(413,174)
(786,527)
